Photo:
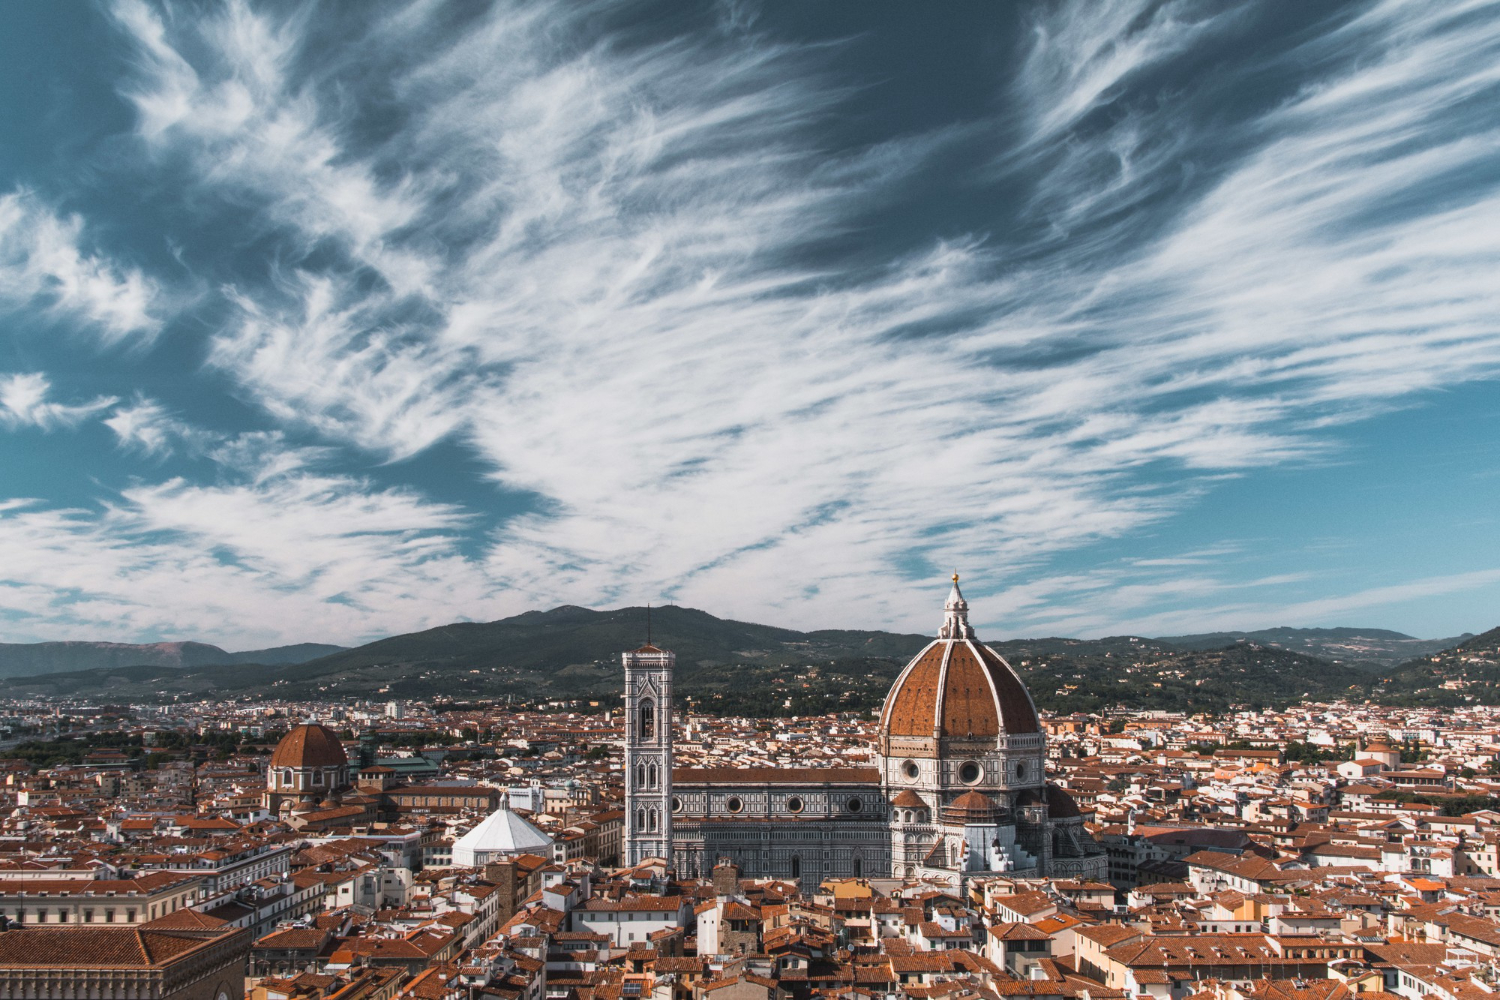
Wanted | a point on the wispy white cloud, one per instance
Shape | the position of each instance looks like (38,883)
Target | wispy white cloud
(43,261)
(244,563)
(1114,599)
(147,426)
(25,402)
(603,265)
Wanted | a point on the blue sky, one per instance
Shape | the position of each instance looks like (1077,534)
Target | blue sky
(330,322)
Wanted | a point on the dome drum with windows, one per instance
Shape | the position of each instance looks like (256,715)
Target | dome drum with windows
(308,767)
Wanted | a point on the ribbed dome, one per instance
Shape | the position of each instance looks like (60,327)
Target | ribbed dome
(958,687)
(309,746)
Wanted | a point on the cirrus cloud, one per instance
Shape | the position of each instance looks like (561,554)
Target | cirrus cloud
(650,283)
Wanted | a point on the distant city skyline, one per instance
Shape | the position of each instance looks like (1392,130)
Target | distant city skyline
(321,324)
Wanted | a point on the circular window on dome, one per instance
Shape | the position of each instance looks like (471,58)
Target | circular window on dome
(911,770)
(969,772)
(676,804)
(794,804)
(734,804)
(1020,770)
(854,805)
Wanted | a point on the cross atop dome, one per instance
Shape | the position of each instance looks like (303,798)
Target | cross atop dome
(956,615)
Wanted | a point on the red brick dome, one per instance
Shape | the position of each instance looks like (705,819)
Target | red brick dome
(1060,804)
(958,687)
(971,807)
(310,746)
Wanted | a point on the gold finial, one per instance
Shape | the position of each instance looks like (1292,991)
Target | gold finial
(955,576)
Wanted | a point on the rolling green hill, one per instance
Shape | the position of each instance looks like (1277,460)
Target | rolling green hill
(729,667)
(32,658)
(1374,647)
(1469,673)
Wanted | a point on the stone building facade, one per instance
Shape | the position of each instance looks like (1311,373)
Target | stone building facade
(960,788)
(648,753)
(165,961)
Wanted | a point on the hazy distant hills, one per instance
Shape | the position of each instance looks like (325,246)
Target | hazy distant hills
(567,652)
(1470,671)
(29,659)
(744,668)
(1338,645)
(570,637)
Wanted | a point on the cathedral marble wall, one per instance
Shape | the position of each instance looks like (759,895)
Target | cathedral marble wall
(803,832)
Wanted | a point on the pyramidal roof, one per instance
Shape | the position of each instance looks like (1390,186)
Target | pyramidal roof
(502,832)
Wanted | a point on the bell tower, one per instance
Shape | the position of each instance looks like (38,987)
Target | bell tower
(648,753)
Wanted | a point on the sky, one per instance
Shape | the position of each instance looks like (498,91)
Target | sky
(329,322)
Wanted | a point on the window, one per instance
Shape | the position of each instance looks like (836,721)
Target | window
(130,916)
(655,821)
(676,804)
(859,867)
(734,804)
(648,719)
(651,777)
(640,819)
(109,916)
(854,805)
(1020,770)
(794,804)
(969,772)
(796,867)
(911,770)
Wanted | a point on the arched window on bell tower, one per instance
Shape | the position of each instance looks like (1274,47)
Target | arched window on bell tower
(648,719)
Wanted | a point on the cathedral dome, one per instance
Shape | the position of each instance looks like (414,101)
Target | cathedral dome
(958,687)
(309,746)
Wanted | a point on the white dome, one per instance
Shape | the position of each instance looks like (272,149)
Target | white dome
(501,834)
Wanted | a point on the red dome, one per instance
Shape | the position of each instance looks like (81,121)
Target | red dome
(958,687)
(1060,804)
(309,746)
(971,807)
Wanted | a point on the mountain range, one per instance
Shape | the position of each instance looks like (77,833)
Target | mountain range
(24,659)
(729,666)
(1337,645)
